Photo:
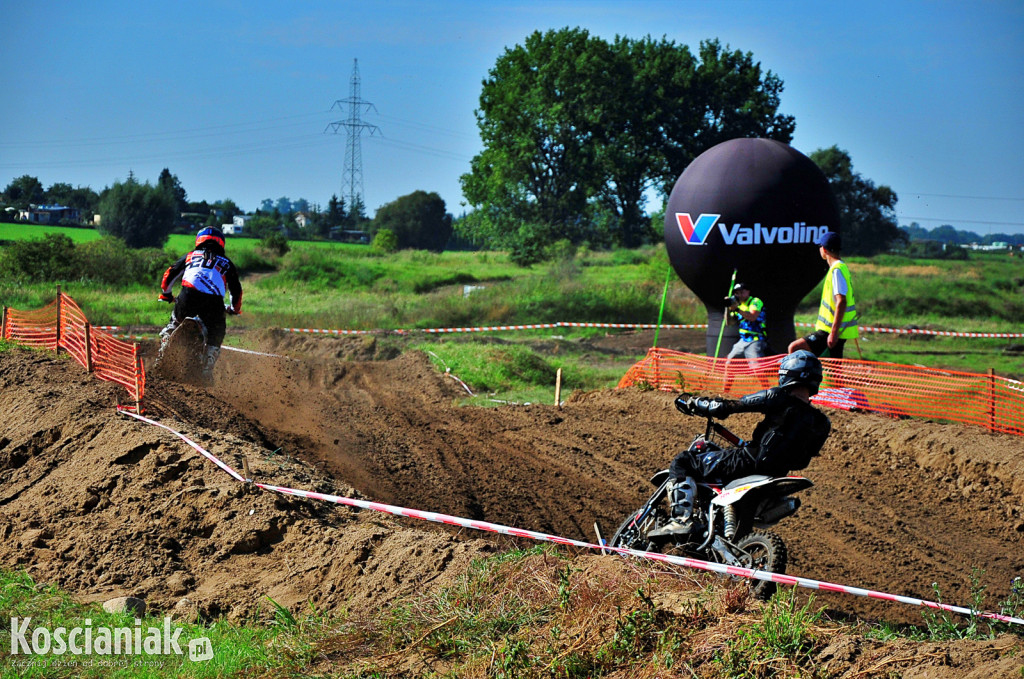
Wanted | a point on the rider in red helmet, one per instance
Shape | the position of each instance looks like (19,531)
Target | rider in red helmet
(206,275)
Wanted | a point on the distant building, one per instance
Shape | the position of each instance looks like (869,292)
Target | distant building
(302,219)
(237,225)
(49,214)
(349,236)
(995,245)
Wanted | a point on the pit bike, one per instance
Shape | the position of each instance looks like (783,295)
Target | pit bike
(732,517)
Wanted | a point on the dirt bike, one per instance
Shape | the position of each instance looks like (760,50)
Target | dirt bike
(182,359)
(733,517)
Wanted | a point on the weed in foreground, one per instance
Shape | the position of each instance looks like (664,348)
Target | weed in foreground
(942,625)
(780,644)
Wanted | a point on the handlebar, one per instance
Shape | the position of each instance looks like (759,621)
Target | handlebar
(713,427)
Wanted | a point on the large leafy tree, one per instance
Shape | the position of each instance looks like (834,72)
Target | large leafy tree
(141,215)
(576,131)
(540,120)
(418,221)
(24,191)
(867,213)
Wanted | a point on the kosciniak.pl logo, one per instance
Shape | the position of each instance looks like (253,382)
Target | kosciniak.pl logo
(696,232)
(104,641)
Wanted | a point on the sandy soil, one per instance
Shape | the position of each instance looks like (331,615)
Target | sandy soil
(104,506)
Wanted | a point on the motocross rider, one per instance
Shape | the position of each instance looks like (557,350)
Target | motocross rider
(206,275)
(791,433)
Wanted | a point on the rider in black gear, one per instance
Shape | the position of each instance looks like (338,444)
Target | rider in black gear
(206,276)
(792,432)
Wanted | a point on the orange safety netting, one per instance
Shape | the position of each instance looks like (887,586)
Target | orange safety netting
(989,401)
(62,324)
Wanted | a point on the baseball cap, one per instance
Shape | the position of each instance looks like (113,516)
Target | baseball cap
(829,240)
(740,286)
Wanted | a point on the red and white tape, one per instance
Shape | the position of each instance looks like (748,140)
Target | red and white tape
(723,569)
(624,326)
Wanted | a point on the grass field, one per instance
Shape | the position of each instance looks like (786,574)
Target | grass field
(347,286)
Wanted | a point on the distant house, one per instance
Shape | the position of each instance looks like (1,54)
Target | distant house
(302,219)
(49,214)
(237,225)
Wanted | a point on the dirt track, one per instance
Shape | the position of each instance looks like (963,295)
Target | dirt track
(103,505)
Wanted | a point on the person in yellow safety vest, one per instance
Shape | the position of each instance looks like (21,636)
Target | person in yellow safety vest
(837,315)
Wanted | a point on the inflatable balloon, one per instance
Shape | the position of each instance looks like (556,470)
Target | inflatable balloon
(753,206)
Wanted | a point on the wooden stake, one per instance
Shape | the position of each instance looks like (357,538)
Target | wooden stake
(3,324)
(88,347)
(245,469)
(558,388)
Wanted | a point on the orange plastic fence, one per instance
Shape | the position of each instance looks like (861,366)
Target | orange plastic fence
(989,401)
(62,324)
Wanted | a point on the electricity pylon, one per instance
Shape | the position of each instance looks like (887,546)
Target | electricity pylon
(352,173)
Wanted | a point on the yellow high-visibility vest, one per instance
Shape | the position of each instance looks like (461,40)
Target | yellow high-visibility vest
(826,312)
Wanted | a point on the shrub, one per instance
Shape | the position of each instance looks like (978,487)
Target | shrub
(385,241)
(276,243)
(50,258)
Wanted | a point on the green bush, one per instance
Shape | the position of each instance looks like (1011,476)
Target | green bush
(107,260)
(50,258)
(275,242)
(385,241)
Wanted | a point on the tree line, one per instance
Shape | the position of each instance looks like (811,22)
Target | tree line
(577,133)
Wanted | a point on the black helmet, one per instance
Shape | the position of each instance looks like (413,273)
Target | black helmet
(800,367)
(210,233)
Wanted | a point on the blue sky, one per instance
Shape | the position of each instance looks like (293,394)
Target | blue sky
(234,97)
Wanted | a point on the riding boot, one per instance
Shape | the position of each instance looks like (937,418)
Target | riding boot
(209,360)
(165,336)
(682,496)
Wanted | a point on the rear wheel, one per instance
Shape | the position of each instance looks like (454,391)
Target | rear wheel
(762,551)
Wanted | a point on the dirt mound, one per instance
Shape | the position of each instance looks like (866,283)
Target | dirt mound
(103,505)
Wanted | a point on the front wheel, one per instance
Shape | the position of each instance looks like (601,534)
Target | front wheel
(762,551)
(632,534)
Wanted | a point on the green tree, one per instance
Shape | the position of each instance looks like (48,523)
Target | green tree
(24,191)
(262,226)
(867,213)
(141,215)
(418,221)
(735,98)
(540,121)
(357,218)
(228,210)
(576,131)
(82,198)
(335,214)
(169,182)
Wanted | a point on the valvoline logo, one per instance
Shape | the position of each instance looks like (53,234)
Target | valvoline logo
(696,232)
